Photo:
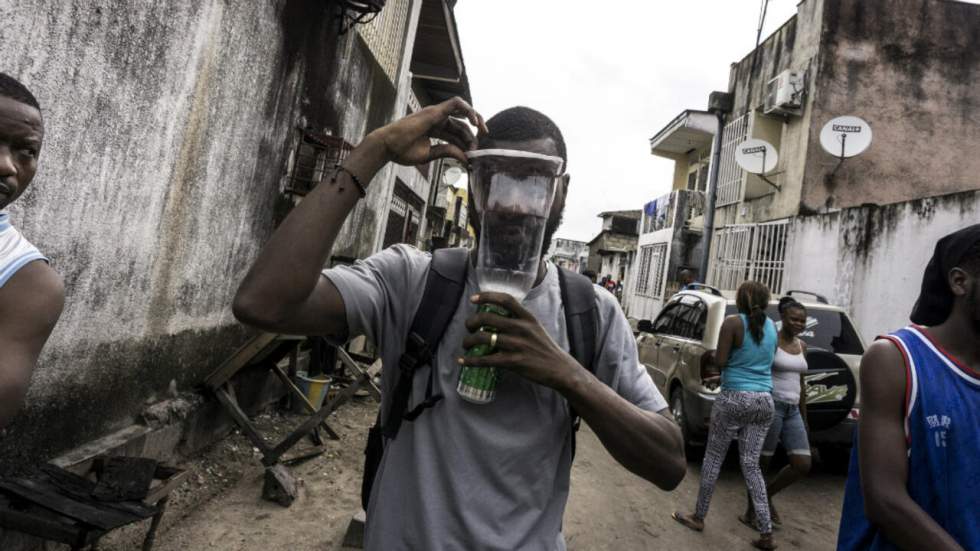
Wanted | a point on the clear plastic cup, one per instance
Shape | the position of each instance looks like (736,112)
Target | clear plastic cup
(513,192)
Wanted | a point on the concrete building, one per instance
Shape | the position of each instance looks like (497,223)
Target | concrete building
(569,254)
(671,231)
(449,221)
(903,66)
(611,251)
(178,134)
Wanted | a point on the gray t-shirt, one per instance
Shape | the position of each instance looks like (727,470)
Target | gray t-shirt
(467,476)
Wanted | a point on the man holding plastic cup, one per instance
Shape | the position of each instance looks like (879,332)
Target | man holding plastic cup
(489,473)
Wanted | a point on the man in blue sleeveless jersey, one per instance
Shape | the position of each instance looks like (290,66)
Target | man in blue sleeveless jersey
(914,480)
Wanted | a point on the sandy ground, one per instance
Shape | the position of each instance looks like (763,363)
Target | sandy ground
(220,507)
(611,508)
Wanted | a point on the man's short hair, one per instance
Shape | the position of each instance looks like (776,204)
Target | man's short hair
(971,260)
(523,123)
(11,88)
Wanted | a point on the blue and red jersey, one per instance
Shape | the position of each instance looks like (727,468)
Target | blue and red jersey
(942,427)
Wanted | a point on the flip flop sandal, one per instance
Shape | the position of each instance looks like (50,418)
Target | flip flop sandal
(686,521)
(765,545)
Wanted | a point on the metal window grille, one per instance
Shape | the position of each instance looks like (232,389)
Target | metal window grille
(315,155)
(643,275)
(750,252)
(650,277)
(730,175)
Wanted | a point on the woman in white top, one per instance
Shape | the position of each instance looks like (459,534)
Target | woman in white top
(789,423)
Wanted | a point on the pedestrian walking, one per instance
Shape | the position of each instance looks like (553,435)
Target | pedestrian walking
(914,480)
(743,408)
(457,474)
(789,423)
(609,283)
(686,277)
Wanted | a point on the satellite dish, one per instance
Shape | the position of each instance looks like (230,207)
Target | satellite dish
(845,136)
(452,175)
(756,156)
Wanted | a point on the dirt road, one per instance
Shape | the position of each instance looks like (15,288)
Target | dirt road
(220,508)
(612,509)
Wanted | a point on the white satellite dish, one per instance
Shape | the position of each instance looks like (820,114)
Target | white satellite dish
(845,136)
(452,175)
(756,156)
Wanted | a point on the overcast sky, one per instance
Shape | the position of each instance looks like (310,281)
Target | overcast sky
(610,74)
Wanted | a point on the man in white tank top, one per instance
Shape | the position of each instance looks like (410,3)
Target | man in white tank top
(31,293)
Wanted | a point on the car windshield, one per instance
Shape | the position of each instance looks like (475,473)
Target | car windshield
(825,329)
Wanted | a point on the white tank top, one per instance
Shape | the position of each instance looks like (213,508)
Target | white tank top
(15,251)
(786,371)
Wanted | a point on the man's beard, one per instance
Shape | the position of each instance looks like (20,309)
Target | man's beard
(554,222)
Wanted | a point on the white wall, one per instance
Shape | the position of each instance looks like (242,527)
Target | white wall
(870,259)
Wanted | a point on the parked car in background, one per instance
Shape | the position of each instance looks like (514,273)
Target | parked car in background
(677,349)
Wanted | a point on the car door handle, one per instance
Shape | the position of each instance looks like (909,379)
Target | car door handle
(676,349)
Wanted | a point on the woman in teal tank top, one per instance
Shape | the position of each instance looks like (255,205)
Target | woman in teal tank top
(743,408)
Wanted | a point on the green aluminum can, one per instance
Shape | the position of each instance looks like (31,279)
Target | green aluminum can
(479,384)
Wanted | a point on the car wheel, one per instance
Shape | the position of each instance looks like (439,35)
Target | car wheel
(677,410)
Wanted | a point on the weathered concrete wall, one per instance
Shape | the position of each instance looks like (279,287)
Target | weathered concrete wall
(870,259)
(794,47)
(910,68)
(168,128)
(609,241)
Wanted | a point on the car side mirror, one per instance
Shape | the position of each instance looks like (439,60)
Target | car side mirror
(645,326)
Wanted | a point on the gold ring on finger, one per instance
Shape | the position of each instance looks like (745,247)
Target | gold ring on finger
(493,341)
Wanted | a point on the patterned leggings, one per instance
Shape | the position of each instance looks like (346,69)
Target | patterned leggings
(746,416)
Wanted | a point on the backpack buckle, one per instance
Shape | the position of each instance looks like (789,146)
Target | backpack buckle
(416,353)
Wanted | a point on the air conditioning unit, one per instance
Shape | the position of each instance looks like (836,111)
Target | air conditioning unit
(784,94)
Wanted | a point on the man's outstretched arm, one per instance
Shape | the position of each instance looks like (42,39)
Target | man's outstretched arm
(648,444)
(284,291)
(883,455)
(30,305)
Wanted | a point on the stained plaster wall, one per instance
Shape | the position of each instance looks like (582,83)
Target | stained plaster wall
(910,68)
(168,130)
(794,46)
(870,259)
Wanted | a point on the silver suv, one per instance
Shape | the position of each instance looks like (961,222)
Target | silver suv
(677,348)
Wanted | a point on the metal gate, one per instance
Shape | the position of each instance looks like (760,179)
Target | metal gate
(745,252)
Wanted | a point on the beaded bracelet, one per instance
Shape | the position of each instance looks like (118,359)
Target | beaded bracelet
(338,168)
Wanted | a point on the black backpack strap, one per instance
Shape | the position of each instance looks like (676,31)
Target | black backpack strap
(444,286)
(581,316)
(581,323)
